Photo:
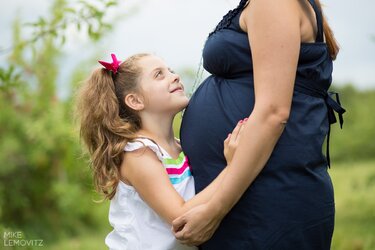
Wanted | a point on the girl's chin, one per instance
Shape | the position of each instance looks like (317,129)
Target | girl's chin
(183,106)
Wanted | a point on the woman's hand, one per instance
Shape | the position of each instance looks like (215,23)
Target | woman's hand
(231,143)
(197,225)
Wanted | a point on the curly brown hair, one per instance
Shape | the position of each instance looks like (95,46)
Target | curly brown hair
(106,123)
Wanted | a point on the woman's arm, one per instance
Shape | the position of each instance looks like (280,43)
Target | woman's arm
(275,43)
(147,175)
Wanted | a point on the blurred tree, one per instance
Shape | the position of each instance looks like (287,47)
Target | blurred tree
(356,140)
(45,188)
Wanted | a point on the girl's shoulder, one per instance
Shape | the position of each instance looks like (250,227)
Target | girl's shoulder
(143,142)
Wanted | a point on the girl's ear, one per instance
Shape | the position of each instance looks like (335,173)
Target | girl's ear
(134,101)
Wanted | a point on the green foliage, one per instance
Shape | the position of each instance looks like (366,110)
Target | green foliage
(356,140)
(45,183)
(89,16)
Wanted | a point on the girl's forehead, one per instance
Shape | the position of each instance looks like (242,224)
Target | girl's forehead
(151,62)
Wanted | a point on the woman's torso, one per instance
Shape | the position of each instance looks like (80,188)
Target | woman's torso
(293,190)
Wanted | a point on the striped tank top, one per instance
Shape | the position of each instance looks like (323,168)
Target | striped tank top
(135,224)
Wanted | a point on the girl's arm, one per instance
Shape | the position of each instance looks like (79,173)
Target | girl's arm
(147,175)
(275,42)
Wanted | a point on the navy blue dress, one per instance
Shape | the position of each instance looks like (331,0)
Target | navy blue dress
(290,205)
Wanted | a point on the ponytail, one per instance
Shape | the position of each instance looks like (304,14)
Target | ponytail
(332,44)
(107,124)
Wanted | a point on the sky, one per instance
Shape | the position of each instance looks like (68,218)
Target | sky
(177,29)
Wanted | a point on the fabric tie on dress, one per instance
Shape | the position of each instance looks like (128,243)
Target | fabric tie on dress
(333,106)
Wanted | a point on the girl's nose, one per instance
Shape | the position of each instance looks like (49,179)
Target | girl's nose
(176,78)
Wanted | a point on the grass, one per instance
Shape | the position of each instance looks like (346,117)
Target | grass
(355,206)
(355,212)
(83,242)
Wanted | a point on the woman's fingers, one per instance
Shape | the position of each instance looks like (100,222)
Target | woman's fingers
(179,235)
(199,224)
(178,225)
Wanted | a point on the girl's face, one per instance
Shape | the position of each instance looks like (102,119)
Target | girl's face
(161,87)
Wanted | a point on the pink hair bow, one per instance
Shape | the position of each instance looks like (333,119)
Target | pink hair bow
(113,66)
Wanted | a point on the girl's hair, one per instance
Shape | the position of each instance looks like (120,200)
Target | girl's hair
(106,122)
(332,44)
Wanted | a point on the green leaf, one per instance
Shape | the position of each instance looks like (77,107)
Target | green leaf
(63,39)
(69,10)
(111,3)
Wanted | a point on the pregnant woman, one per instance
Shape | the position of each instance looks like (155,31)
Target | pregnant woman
(270,61)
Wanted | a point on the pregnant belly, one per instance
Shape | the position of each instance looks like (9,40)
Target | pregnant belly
(213,111)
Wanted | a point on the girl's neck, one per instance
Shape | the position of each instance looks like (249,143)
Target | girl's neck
(161,131)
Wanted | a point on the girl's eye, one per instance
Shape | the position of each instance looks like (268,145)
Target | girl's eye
(172,71)
(158,73)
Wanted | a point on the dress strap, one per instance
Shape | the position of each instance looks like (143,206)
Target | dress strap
(227,19)
(319,21)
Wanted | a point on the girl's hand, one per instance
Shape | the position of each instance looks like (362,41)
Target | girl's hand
(197,225)
(231,143)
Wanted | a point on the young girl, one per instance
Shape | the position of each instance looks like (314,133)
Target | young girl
(126,112)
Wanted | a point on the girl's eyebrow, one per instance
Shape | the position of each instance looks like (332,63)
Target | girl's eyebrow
(156,69)
(160,68)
